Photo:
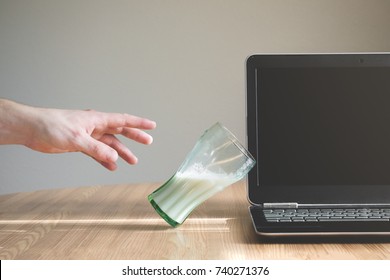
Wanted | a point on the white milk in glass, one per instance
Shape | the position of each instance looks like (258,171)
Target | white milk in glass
(187,190)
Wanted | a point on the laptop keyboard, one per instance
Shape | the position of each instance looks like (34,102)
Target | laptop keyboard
(327,215)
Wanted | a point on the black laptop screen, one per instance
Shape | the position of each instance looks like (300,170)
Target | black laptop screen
(319,128)
(323,126)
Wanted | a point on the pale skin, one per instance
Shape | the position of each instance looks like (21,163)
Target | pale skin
(59,131)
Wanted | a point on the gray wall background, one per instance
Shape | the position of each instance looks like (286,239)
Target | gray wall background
(181,63)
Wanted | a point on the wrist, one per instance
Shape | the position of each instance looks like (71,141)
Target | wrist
(15,122)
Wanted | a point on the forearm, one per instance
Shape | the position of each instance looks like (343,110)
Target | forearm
(15,122)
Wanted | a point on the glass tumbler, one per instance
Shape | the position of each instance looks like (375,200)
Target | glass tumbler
(216,161)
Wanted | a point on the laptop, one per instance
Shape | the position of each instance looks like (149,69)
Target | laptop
(318,126)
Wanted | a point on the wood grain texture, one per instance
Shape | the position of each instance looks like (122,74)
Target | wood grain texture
(117,222)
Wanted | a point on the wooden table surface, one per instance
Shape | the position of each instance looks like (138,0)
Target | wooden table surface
(117,222)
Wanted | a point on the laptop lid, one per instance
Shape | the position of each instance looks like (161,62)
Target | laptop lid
(319,128)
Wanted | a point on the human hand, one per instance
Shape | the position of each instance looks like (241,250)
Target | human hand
(90,132)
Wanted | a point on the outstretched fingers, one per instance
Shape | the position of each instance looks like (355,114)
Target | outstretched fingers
(120,148)
(114,120)
(137,135)
(98,150)
(100,141)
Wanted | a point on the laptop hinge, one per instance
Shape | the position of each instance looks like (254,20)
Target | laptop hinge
(281,205)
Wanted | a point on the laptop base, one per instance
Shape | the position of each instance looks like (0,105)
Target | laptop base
(361,228)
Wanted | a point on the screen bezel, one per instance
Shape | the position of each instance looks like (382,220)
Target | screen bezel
(326,195)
